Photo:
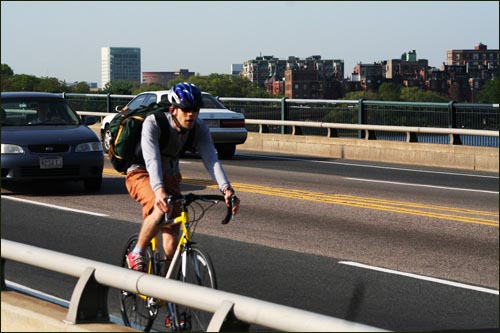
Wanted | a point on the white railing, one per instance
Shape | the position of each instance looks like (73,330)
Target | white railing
(89,299)
(409,130)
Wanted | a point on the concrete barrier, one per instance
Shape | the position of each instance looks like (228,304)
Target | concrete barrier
(23,313)
(424,154)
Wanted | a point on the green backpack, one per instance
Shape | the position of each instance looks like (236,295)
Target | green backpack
(126,128)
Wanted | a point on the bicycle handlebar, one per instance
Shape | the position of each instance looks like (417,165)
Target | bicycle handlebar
(189,198)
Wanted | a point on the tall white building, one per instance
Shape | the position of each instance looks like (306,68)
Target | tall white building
(120,63)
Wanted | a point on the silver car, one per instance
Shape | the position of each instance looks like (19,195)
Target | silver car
(227,127)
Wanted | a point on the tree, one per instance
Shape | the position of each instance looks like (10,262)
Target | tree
(119,87)
(490,93)
(388,91)
(81,88)
(49,84)
(148,87)
(224,85)
(415,94)
(5,70)
(20,82)
(355,95)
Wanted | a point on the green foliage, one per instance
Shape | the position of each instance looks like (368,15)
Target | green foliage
(389,92)
(6,70)
(20,82)
(81,88)
(50,84)
(224,85)
(415,94)
(120,87)
(148,87)
(490,93)
(355,95)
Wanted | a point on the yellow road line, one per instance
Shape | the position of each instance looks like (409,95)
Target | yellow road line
(409,208)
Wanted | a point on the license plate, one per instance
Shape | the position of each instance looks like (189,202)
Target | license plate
(211,123)
(51,163)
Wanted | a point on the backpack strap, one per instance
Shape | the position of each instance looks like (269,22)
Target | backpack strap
(162,121)
(190,140)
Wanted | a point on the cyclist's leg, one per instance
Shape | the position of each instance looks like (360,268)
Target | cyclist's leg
(139,188)
(170,239)
(199,270)
(138,311)
(170,233)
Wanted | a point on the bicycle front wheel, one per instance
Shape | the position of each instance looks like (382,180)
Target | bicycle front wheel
(138,311)
(196,267)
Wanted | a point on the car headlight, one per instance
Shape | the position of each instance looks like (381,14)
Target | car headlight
(88,147)
(12,149)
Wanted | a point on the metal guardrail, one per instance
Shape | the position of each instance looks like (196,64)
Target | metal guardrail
(382,113)
(370,129)
(89,298)
(411,131)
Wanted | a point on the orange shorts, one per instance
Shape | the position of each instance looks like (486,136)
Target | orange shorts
(137,182)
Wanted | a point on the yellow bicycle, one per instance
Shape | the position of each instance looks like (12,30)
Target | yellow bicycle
(190,264)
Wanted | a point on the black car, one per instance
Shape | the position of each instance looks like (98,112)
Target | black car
(43,138)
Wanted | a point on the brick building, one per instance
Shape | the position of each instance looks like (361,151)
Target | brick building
(162,78)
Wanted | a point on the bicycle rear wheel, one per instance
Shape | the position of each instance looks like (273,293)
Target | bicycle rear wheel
(138,311)
(199,270)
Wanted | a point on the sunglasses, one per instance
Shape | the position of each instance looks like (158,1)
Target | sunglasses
(193,110)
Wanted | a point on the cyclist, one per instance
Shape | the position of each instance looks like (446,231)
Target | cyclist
(159,176)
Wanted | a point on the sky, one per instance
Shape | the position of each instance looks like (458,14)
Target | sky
(63,39)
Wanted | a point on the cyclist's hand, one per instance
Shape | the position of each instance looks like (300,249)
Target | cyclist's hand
(161,200)
(228,196)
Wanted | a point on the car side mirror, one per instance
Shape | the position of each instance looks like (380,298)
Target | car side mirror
(89,120)
(120,108)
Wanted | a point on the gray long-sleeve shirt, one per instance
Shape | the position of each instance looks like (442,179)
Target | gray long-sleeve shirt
(169,156)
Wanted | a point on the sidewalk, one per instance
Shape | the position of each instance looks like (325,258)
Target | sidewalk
(23,313)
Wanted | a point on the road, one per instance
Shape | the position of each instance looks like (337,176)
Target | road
(391,246)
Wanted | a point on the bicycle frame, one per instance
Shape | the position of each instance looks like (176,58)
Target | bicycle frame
(189,264)
(184,238)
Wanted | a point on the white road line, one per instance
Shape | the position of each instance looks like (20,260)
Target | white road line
(422,277)
(53,206)
(421,185)
(371,166)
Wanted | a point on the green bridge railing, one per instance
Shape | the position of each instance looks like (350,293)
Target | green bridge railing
(441,115)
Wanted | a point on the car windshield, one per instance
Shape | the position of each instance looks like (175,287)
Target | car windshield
(35,112)
(210,102)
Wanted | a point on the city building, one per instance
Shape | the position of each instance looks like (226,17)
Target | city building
(236,69)
(307,83)
(262,69)
(369,76)
(480,62)
(162,78)
(120,63)
(406,70)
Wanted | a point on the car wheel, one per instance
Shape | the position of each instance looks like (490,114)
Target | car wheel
(106,139)
(92,184)
(226,151)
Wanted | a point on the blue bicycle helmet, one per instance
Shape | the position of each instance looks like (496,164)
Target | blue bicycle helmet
(185,96)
